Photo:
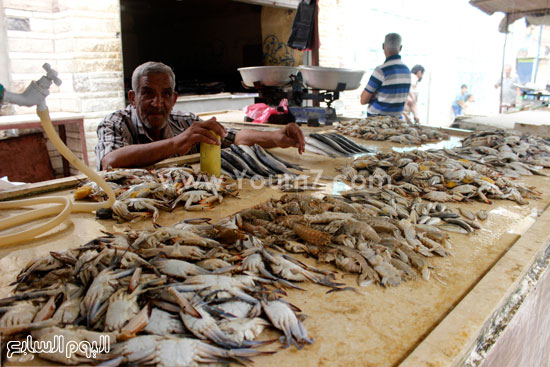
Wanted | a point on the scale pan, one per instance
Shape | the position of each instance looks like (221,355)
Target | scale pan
(319,77)
(269,76)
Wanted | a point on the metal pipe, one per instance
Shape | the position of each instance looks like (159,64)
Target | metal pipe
(502,66)
(536,66)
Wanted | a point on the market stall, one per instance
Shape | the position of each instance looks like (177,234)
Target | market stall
(420,322)
(404,245)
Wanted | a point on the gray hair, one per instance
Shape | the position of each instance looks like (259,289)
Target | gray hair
(392,42)
(152,67)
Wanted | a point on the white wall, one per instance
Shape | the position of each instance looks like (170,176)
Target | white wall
(4,60)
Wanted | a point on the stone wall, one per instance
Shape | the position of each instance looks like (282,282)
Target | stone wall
(81,40)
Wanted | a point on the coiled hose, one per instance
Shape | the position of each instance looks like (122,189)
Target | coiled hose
(65,207)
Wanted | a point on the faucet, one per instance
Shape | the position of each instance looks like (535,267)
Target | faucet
(36,92)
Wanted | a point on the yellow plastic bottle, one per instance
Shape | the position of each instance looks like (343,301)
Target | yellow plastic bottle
(211,162)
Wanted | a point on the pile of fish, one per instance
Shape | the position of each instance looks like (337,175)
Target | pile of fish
(397,203)
(198,293)
(391,129)
(142,193)
(435,176)
(242,161)
(176,296)
(355,232)
(511,153)
(334,145)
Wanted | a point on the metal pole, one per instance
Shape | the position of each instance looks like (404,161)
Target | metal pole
(315,45)
(536,66)
(502,66)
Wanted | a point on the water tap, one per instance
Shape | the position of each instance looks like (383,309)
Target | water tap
(36,92)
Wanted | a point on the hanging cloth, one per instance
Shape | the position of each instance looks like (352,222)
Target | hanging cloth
(301,35)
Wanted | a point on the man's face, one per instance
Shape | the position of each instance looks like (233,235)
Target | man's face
(420,74)
(464,90)
(154,99)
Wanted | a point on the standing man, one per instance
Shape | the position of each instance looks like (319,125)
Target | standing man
(458,104)
(510,93)
(417,72)
(389,85)
(148,130)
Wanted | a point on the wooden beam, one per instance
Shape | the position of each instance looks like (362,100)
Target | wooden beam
(37,188)
(66,183)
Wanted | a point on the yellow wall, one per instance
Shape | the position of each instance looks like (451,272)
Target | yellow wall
(276,26)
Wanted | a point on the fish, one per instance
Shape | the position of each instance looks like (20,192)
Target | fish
(321,148)
(345,140)
(452,228)
(249,161)
(344,143)
(237,162)
(229,168)
(227,173)
(267,160)
(314,149)
(335,145)
(246,161)
(248,150)
(329,142)
(288,164)
(389,128)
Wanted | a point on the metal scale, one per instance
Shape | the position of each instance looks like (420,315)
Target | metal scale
(296,93)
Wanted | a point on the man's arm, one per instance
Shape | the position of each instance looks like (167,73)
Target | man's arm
(289,136)
(375,81)
(413,107)
(140,155)
(366,97)
(415,113)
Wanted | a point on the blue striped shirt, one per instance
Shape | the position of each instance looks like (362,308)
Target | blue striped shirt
(390,83)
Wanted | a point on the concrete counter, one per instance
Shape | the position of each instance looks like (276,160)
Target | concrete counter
(438,322)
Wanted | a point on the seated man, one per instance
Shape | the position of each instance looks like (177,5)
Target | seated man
(148,130)
(388,87)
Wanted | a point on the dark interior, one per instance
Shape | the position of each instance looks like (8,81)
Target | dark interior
(204,41)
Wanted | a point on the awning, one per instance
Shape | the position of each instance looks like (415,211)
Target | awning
(536,12)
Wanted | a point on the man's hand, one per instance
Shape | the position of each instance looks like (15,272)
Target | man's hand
(416,119)
(199,132)
(290,136)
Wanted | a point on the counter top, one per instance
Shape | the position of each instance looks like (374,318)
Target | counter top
(31,118)
(419,323)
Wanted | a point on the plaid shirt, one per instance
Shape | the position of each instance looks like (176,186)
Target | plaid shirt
(123,127)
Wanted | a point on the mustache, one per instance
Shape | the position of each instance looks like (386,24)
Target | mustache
(156,111)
